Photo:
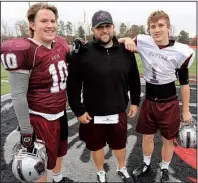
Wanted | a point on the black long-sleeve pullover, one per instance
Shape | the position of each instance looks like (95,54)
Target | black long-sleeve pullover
(104,75)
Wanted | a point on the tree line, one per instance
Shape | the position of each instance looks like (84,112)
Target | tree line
(70,31)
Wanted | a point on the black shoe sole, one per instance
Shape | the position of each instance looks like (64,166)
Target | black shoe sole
(120,176)
(142,174)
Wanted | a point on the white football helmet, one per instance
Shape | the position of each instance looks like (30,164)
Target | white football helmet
(29,166)
(187,136)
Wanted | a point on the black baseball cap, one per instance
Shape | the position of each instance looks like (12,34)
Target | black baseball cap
(101,17)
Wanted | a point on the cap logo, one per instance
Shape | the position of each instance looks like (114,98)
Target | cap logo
(102,16)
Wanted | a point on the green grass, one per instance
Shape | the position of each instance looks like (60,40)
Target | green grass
(193,70)
(139,63)
(4,74)
(5,88)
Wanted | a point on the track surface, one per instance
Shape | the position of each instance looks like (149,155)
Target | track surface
(78,164)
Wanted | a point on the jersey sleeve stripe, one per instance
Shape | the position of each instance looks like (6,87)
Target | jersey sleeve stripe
(21,71)
(185,64)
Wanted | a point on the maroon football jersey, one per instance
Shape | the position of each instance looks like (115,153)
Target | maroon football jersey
(47,68)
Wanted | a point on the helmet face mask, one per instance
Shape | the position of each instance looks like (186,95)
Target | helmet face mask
(78,46)
(187,136)
(29,166)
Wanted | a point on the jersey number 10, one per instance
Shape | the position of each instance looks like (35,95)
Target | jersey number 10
(62,68)
(10,61)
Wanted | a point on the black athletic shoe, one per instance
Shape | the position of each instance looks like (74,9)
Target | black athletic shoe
(65,180)
(141,170)
(123,173)
(164,175)
(101,176)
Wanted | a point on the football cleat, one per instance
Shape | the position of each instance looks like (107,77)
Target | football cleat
(123,173)
(164,175)
(141,170)
(101,176)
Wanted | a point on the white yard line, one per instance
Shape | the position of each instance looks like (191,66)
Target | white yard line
(8,96)
(190,104)
(5,97)
(4,81)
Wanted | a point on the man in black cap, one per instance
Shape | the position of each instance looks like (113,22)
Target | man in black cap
(103,28)
(107,71)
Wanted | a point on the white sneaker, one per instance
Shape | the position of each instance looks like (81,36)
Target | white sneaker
(101,176)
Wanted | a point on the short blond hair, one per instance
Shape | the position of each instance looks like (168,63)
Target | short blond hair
(33,10)
(155,16)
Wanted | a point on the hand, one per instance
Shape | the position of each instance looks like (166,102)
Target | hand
(129,44)
(27,140)
(186,117)
(133,111)
(85,118)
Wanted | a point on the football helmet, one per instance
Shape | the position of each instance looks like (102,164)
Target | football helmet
(79,45)
(187,136)
(29,166)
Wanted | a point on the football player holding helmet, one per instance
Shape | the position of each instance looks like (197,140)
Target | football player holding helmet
(37,74)
(164,62)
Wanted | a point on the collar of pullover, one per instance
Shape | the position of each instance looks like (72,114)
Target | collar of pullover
(115,42)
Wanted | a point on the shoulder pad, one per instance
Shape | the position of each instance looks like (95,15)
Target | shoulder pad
(184,49)
(16,44)
(144,38)
(59,38)
(62,41)
(16,54)
(186,54)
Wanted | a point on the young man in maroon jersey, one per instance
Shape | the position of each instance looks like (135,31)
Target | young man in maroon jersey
(163,60)
(37,76)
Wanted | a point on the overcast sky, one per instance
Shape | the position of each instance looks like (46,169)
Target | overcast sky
(182,14)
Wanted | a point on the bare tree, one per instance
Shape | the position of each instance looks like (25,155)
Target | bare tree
(17,30)
(61,28)
(23,27)
(172,33)
(89,30)
(10,32)
(68,28)
(4,26)
(75,31)
(172,30)
(122,29)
